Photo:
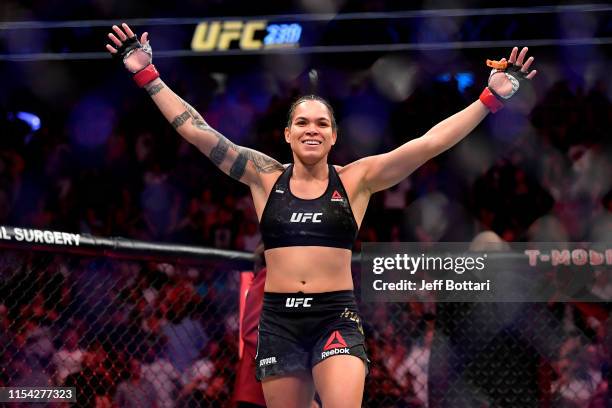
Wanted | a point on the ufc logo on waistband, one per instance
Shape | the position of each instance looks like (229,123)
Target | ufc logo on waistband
(305,217)
(297,302)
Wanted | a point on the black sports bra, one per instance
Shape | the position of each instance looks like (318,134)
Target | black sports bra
(325,221)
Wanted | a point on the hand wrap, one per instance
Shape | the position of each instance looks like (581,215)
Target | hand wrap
(127,48)
(491,99)
(130,45)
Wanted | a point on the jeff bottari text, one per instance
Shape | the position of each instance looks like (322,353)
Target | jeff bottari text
(434,285)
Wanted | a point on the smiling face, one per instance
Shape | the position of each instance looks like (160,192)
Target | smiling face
(311,133)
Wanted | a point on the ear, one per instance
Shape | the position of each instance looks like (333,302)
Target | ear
(334,137)
(287,135)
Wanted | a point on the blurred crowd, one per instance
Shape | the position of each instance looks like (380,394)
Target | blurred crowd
(125,334)
(539,170)
(133,334)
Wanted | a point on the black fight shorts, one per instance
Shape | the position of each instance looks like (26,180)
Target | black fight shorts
(299,330)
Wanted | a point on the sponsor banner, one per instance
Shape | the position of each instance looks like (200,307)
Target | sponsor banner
(508,272)
(245,35)
(85,244)
(39,236)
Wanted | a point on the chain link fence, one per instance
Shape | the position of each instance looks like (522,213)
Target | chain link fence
(144,333)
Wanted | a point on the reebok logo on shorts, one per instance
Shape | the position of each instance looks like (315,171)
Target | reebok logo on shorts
(267,361)
(334,341)
(334,345)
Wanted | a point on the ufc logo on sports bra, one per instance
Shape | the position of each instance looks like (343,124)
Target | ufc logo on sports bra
(306,217)
(297,302)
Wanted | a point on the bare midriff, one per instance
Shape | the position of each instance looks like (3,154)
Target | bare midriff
(308,269)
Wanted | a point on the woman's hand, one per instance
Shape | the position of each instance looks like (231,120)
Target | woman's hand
(505,83)
(136,54)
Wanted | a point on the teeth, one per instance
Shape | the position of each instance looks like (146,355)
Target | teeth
(312,142)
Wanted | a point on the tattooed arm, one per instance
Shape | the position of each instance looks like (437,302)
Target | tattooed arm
(243,164)
(239,162)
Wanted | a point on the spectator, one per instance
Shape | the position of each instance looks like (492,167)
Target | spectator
(248,236)
(68,358)
(135,391)
(158,370)
(93,384)
(25,374)
(198,376)
(185,337)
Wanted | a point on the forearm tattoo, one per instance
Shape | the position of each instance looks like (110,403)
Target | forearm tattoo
(218,154)
(154,89)
(178,121)
(197,118)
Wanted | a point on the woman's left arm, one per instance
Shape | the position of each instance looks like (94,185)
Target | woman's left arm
(385,170)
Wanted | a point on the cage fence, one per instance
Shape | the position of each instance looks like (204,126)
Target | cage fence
(164,332)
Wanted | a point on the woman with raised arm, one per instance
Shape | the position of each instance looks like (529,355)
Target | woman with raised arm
(311,336)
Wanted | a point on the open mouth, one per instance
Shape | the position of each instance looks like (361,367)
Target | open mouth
(311,142)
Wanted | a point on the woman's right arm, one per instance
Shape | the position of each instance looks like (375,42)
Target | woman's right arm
(241,163)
